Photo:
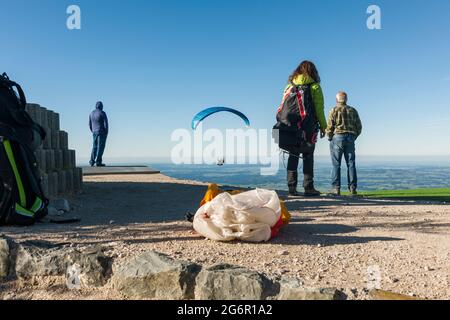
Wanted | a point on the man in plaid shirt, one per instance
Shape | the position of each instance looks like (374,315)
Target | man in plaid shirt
(344,127)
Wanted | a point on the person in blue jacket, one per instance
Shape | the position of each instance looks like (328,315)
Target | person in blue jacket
(98,123)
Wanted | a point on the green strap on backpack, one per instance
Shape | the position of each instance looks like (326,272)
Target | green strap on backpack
(21,208)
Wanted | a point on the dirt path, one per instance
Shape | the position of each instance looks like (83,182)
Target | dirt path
(330,242)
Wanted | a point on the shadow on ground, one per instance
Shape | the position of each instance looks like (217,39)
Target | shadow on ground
(303,202)
(324,234)
(130,202)
(118,208)
(106,208)
(297,233)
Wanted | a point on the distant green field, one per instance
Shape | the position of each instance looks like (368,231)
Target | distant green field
(418,194)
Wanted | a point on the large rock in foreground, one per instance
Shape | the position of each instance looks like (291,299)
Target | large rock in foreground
(156,276)
(227,282)
(4,258)
(90,267)
(293,289)
(39,259)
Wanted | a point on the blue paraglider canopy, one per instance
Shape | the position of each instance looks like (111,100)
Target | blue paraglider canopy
(210,111)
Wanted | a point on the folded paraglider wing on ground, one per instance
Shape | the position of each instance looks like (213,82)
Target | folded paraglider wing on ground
(253,216)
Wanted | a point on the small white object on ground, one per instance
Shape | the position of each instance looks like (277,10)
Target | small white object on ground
(52,211)
(60,205)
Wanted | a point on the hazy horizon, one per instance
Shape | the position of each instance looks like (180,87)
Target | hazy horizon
(444,160)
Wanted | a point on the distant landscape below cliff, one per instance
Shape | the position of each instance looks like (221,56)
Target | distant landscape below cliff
(372,175)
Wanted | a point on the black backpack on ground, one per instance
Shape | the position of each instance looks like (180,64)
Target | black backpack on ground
(297,124)
(22,201)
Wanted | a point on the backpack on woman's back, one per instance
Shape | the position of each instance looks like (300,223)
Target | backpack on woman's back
(296,119)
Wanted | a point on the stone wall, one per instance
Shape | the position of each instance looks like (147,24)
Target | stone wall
(148,275)
(57,163)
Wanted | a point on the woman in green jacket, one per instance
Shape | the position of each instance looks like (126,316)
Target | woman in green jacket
(306,74)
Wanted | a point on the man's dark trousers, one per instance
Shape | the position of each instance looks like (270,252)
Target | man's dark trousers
(98,148)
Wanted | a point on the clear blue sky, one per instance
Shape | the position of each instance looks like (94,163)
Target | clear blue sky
(155,64)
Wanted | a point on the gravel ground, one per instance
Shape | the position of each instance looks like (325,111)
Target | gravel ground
(331,242)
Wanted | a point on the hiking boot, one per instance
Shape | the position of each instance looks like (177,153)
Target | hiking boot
(353,192)
(293,193)
(308,185)
(292,179)
(335,192)
(312,193)
(101,165)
